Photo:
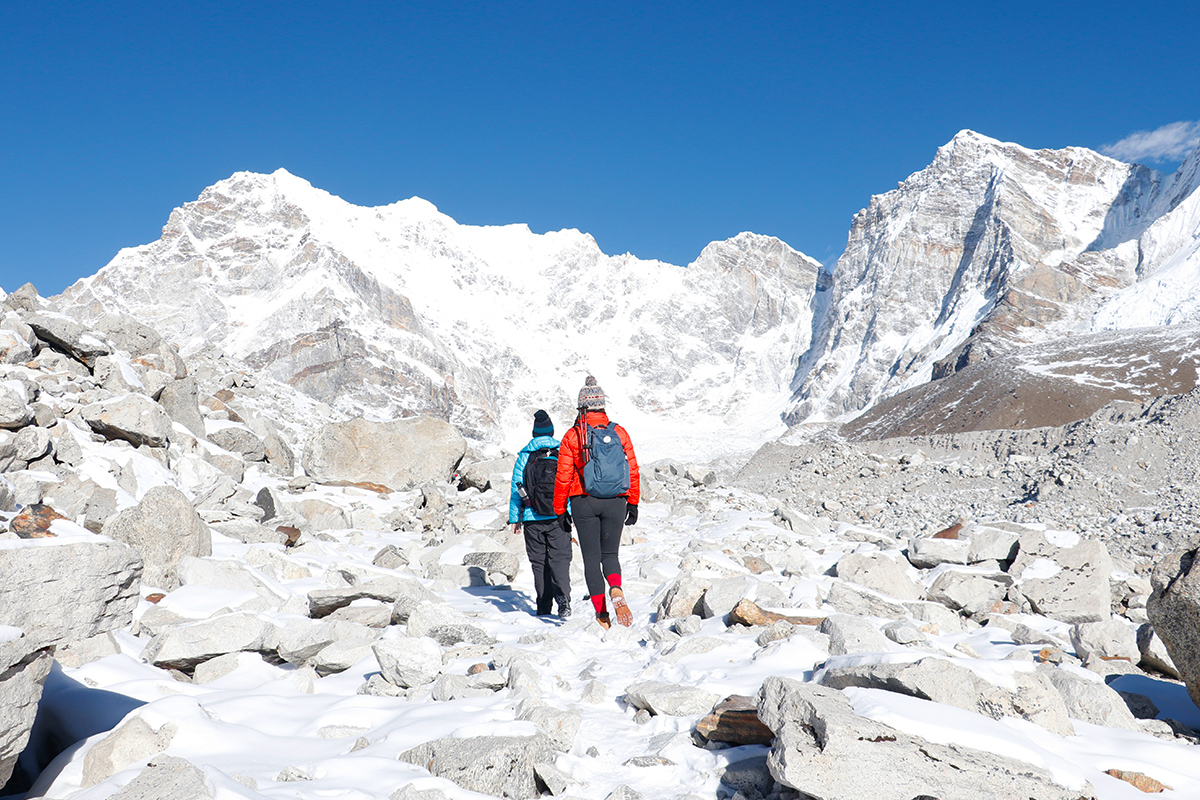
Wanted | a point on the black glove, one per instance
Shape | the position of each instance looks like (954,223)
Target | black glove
(631,515)
(564,521)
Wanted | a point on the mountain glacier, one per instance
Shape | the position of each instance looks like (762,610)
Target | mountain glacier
(398,310)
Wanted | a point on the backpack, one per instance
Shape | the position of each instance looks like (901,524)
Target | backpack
(605,471)
(538,480)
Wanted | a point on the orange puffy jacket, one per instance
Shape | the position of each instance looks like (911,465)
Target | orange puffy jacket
(567,483)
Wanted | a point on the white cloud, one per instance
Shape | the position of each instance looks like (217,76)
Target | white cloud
(1168,143)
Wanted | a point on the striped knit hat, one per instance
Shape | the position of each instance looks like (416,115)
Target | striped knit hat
(542,426)
(591,396)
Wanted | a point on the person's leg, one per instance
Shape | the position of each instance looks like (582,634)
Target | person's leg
(535,548)
(558,566)
(587,528)
(612,524)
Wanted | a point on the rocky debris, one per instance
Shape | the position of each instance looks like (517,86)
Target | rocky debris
(133,417)
(398,454)
(182,647)
(501,766)
(242,441)
(167,778)
(1139,781)
(1108,639)
(747,612)
(672,700)
(34,522)
(881,573)
(23,669)
(132,741)
(91,585)
(68,336)
(163,528)
(1154,655)
(409,662)
(1063,576)
(1174,610)
(818,733)
(179,400)
(735,721)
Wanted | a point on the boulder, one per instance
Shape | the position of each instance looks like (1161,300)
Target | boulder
(90,586)
(849,634)
(484,475)
(242,441)
(24,666)
(68,336)
(1174,610)
(1064,576)
(386,589)
(558,726)
(1108,639)
(735,721)
(992,544)
(499,766)
(724,594)
(321,515)
(881,573)
(300,640)
(179,400)
(133,417)
(13,348)
(970,592)
(163,528)
(399,454)
(185,646)
(409,662)
(1154,653)
(927,552)
(167,778)
(14,406)
(670,699)
(504,563)
(823,748)
(140,340)
(1090,699)
(131,741)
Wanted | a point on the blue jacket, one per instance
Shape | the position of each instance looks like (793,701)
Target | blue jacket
(516,511)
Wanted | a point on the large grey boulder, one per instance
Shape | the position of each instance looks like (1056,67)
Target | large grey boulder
(185,646)
(242,441)
(879,572)
(133,417)
(163,528)
(1113,638)
(180,400)
(1090,699)
(399,455)
(131,741)
(61,593)
(560,727)
(825,750)
(499,766)
(968,591)
(13,348)
(409,662)
(23,670)
(670,699)
(849,634)
(1063,576)
(386,589)
(167,778)
(943,681)
(14,406)
(138,340)
(68,336)
(1174,611)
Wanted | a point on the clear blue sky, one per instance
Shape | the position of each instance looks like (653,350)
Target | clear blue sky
(656,127)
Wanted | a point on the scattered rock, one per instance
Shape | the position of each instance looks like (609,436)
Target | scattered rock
(670,699)
(398,454)
(163,528)
(501,766)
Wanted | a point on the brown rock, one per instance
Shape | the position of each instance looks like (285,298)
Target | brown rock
(34,522)
(949,533)
(292,534)
(735,720)
(370,487)
(475,669)
(1143,782)
(746,612)
(756,565)
(155,597)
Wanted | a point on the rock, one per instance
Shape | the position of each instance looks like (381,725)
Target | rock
(992,544)
(849,634)
(683,595)
(321,515)
(723,594)
(24,666)
(140,340)
(449,687)
(229,574)
(750,776)
(68,336)
(1063,576)
(399,455)
(131,741)
(558,726)
(1090,700)
(242,441)
(880,573)
(484,475)
(92,588)
(371,613)
(1141,782)
(501,766)
(14,406)
(818,736)
(970,592)
(554,778)
(1109,639)
(409,793)
(185,646)
(390,557)
(167,778)
(32,443)
(1174,609)
(300,641)
(133,417)
(34,522)
(85,651)
(504,563)
(670,699)
(219,667)
(13,348)
(409,662)
(926,553)
(691,624)
(163,528)
(386,589)
(341,655)
(1154,653)
(735,720)
(746,612)
(179,400)
(860,601)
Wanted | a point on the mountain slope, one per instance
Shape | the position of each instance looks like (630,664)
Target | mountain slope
(399,309)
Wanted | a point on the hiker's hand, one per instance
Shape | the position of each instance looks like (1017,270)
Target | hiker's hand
(516,528)
(564,521)
(631,515)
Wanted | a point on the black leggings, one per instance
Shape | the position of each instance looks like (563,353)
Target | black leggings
(599,523)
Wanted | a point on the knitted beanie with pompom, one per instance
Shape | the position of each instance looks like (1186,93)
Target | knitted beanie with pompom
(591,396)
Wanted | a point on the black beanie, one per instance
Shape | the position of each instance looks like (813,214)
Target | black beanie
(542,426)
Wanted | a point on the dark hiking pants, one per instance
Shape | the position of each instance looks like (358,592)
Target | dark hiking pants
(599,523)
(549,549)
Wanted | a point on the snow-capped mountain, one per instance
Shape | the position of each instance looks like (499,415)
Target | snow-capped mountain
(399,309)
(993,246)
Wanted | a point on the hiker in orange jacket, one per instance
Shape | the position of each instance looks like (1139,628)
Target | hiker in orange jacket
(604,490)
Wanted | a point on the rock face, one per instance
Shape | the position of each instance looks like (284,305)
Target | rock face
(400,317)
(1174,609)
(92,588)
(501,766)
(824,749)
(134,417)
(1065,578)
(163,528)
(23,670)
(398,454)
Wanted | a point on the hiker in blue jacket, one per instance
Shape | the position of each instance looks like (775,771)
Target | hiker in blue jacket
(531,507)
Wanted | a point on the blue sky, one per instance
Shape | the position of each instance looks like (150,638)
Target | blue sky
(656,127)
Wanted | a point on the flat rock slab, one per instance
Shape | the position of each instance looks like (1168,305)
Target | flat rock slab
(501,766)
(825,750)
(398,455)
(735,720)
(670,699)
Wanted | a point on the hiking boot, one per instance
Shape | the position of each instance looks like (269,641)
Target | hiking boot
(545,606)
(603,620)
(564,606)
